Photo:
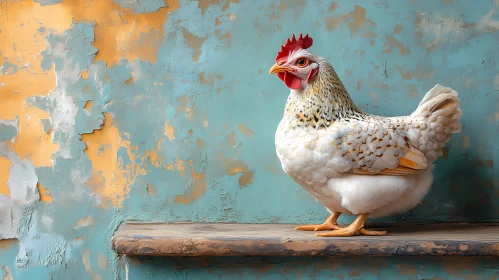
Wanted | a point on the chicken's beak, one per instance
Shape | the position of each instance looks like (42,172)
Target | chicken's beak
(278,69)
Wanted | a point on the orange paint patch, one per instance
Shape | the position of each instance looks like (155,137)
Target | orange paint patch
(153,156)
(226,39)
(333,6)
(129,81)
(209,80)
(205,4)
(169,131)
(32,141)
(405,75)
(21,85)
(355,20)
(359,84)
(392,42)
(398,28)
(85,222)
(197,189)
(88,105)
(119,32)
(23,33)
(26,25)
(84,74)
(5,165)
(7,244)
(152,191)
(200,143)
(185,108)
(231,139)
(234,166)
(194,43)
(485,163)
(246,178)
(45,195)
(179,165)
(244,129)
(112,178)
(227,4)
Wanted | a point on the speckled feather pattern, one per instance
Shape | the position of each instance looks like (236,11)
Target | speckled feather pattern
(336,152)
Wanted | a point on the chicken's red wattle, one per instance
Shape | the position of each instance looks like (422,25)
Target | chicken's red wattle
(290,80)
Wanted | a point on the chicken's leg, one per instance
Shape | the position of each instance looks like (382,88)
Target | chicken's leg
(355,228)
(329,224)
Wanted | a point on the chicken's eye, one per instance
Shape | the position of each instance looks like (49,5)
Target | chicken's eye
(302,62)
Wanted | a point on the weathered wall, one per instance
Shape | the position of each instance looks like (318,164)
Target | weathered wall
(163,110)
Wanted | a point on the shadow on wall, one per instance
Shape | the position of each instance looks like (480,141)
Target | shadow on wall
(314,268)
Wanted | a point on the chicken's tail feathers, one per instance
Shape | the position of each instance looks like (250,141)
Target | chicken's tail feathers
(441,106)
(441,113)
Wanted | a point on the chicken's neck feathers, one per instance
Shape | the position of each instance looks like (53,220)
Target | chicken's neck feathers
(321,103)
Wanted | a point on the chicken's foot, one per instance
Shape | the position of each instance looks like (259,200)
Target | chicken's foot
(355,228)
(329,224)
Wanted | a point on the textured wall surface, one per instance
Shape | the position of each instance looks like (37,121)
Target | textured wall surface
(164,111)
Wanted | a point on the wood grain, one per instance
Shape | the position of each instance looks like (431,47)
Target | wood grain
(157,239)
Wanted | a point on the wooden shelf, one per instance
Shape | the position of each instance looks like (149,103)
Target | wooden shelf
(448,239)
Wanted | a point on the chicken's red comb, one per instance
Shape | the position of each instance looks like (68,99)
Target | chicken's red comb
(294,44)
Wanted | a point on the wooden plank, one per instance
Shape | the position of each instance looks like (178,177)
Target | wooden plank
(157,239)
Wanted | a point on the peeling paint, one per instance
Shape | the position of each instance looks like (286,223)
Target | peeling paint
(169,131)
(5,165)
(197,188)
(355,20)
(194,42)
(246,178)
(113,175)
(152,191)
(119,32)
(45,195)
(244,129)
(392,42)
(84,222)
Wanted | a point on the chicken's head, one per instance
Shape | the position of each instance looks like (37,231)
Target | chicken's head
(296,66)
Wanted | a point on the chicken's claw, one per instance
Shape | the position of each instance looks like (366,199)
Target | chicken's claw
(324,226)
(364,231)
(355,228)
(329,224)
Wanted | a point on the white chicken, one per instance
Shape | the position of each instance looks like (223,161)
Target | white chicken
(351,161)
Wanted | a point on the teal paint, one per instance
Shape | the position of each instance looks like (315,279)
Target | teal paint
(48,2)
(140,7)
(454,45)
(7,131)
(316,268)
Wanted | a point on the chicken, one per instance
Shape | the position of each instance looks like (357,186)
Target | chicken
(350,161)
